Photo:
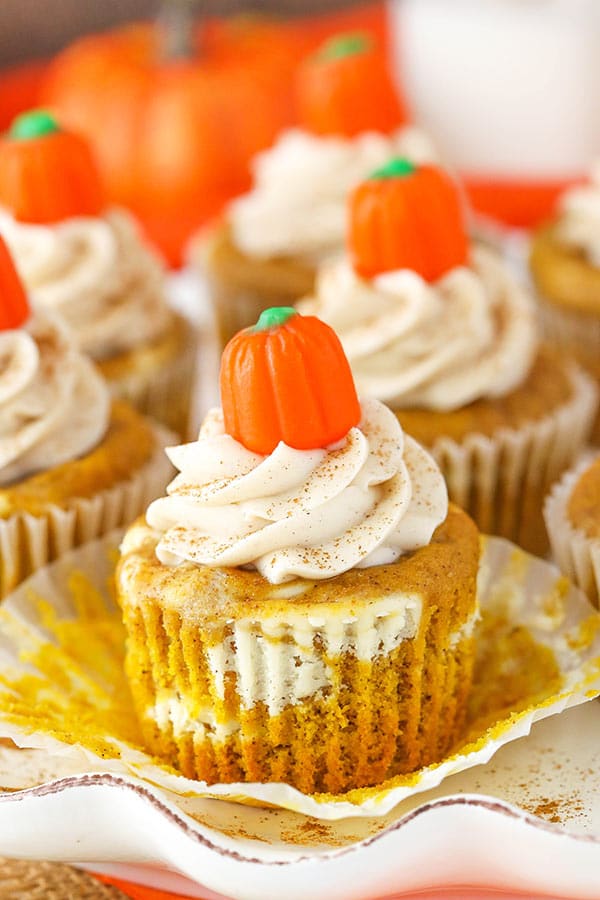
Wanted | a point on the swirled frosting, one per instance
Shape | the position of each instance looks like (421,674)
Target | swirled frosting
(308,513)
(439,346)
(54,406)
(579,223)
(298,204)
(97,274)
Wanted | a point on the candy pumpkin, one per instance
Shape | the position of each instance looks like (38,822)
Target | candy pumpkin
(174,135)
(407,217)
(14,307)
(287,379)
(47,174)
(346,89)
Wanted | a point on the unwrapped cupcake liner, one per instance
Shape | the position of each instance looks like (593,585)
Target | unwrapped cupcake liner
(63,689)
(502,480)
(164,394)
(322,699)
(577,555)
(29,542)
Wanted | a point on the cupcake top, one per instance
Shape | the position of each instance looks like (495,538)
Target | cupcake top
(352,121)
(425,319)
(76,257)
(579,217)
(293,476)
(54,406)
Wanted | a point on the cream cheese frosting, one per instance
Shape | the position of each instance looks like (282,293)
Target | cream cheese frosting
(439,346)
(579,223)
(298,204)
(97,274)
(54,405)
(309,513)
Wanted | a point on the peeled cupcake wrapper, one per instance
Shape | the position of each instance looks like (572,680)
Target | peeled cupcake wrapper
(164,394)
(577,555)
(63,690)
(502,480)
(28,542)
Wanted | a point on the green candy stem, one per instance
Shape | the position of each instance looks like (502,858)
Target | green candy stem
(399,167)
(345,45)
(273,317)
(33,124)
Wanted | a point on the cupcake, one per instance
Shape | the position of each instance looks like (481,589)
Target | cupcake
(89,264)
(72,466)
(440,331)
(572,515)
(565,265)
(300,607)
(267,248)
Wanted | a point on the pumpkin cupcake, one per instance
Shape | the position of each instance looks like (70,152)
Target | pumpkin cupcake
(89,264)
(572,515)
(72,467)
(267,248)
(440,331)
(565,265)
(300,607)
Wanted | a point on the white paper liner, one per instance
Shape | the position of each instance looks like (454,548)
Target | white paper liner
(577,555)
(501,480)
(164,394)
(29,542)
(511,584)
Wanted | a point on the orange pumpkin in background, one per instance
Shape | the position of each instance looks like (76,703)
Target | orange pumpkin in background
(407,217)
(287,379)
(174,135)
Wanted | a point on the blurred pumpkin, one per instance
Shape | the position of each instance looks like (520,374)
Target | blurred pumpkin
(19,89)
(174,135)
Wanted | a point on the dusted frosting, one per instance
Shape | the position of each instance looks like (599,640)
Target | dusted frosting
(54,406)
(298,204)
(579,224)
(439,346)
(309,513)
(97,274)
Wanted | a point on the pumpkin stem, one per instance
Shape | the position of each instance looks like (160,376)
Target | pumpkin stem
(273,317)
(341,45)
(33,124)
(176,22)
(398,167)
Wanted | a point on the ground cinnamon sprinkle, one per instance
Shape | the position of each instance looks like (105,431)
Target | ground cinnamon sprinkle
(555,810)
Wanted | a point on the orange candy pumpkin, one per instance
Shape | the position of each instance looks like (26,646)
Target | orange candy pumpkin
(14,307)
(407,217)
(287,379)
(47,174)
(346,89)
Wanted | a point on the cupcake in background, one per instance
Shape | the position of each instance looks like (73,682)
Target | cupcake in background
(267,248)
(440,331)
(565,265)
(572,516)
(89,264)
(300,607)
(73,465)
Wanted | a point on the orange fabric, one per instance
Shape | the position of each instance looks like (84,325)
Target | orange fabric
(19,90)
(137,892)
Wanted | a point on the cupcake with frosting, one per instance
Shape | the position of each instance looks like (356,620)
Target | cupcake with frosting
(565,266)
(300,606)
(73,464)
(441,332)
(89,264)
(267,248)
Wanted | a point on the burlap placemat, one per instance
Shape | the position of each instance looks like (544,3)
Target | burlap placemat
(22,879)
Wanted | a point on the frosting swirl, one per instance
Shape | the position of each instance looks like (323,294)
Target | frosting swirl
(54,406)
(298,204)
(440,346)
(579,223)
(97,274)
(307,513)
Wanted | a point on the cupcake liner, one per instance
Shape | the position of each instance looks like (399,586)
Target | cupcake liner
(164,393)
(29,542)
(577,555)
(63,689)
(502,480)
